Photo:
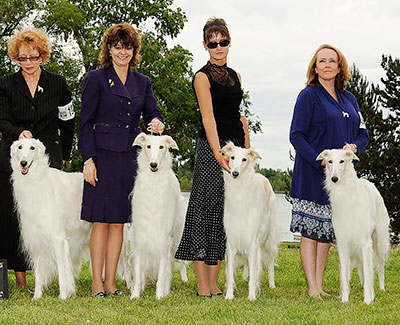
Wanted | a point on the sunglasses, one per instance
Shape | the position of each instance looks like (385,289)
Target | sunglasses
(213,45)
(32,58)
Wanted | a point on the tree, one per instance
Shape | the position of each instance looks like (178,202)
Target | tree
(85,21)
(13,14)
(380,108)
(76,28)
(389,97)
(171,74)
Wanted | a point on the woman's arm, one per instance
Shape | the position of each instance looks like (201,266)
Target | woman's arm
(362,139)
(302,116)
(246,132)
(66,119)
(202,89)
(244,121)
(7,124)
(90,99)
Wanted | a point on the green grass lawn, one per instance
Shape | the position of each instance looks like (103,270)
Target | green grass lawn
(287,304)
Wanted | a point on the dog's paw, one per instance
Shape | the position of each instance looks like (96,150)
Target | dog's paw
(230,297)
(252,297)
(272,285)
(37,296)
(160,296)
(135,294)
(368,299)
(345,299)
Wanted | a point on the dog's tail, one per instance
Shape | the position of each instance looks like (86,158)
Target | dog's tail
(274,231)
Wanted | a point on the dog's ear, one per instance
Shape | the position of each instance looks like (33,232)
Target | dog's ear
(323,155)
(40,147)
(227,148)
(254,154)
(140,140)
(351,155)
(170,142)
(14,147)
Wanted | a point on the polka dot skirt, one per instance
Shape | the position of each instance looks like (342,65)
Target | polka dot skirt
(203,237)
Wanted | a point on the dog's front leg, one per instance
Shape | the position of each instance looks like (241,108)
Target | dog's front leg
(344,262)
(137,285)
(255,271)
(368,271)
(40,280)
(230,271)
(64,267)
(164,277)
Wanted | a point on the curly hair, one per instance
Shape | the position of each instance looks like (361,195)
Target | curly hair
(213,27)
(122,33)
(32,37)
(341,78)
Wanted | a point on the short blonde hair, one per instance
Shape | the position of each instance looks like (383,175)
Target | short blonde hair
(341,78)
(33,37)
(122,33)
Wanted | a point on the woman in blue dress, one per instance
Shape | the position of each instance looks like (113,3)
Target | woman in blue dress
(326,116)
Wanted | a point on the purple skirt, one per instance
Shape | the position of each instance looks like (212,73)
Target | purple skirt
(109,201)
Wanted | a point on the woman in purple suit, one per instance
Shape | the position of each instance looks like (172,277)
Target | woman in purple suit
(113,99)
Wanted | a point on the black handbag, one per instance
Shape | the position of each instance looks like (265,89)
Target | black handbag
(3,279)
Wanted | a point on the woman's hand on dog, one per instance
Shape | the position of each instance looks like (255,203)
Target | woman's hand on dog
(157,126)
(90,172)
(25,134)
(223,161)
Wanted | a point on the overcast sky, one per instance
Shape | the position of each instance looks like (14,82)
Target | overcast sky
(273,42)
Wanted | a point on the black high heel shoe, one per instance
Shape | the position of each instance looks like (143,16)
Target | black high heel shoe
(203,296)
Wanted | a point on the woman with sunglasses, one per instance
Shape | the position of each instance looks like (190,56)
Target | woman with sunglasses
(219,95)
(33,103)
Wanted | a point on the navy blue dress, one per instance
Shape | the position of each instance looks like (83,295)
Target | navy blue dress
(319,123)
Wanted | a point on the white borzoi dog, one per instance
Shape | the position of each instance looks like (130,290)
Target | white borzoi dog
(158,213)
(48,203)
(250,220)
(360,221)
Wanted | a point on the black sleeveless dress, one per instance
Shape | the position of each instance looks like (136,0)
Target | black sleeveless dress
(203,237)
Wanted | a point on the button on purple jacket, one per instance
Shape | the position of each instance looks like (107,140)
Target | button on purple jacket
(111,112)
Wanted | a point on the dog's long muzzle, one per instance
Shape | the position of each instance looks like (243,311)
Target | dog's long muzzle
(24,167)
(153,167)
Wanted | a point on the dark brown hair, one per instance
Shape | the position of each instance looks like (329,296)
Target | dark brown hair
(122,33)
(341,78)
(215,26)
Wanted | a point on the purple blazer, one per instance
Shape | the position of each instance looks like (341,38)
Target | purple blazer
(110,112)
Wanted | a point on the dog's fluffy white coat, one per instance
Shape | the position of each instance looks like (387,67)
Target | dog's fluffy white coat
(158,212)
(48,203)
(250,220)
(360,221)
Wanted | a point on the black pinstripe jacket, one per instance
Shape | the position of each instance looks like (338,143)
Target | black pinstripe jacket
(49,115)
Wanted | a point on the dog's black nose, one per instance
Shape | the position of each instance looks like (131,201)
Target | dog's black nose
(334,179)
(153,165)
(235,174)
(23,163)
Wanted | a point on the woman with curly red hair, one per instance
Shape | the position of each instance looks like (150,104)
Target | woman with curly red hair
(33,103)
